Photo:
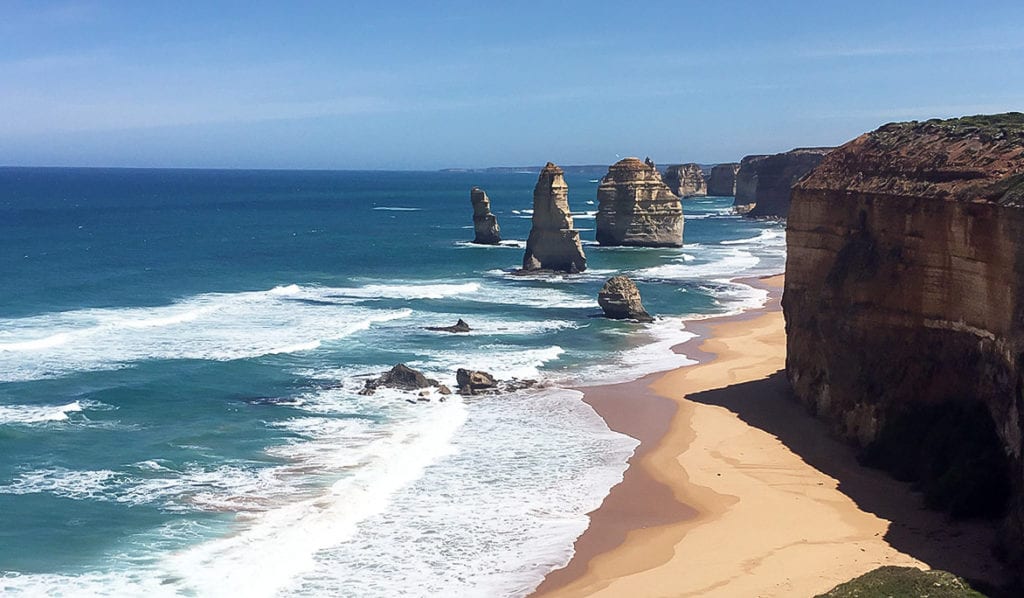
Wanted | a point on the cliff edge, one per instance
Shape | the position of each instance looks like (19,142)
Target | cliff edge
(904,306)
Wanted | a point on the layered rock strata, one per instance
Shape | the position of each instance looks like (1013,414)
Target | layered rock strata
(746,183)
(619,298)
(635,207)
(686,180)
(775,176)
(722,182)
(485,224)
(553,243)
(904,303)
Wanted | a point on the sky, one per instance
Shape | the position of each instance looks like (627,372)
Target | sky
(427,85)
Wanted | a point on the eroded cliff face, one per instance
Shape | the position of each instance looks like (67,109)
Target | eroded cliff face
(746,183)
(905,292)
(636,208)
(686,180)
(553,243)
(485,224)
(763,183)
(722,182)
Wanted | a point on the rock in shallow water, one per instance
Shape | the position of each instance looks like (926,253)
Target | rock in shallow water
(620,300)
(485,224)
(460,326)
(553,243)
(401,377)
(472,381)
(635,207)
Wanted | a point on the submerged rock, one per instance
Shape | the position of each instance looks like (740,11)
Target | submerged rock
(460,326)
(401,377)
(485,224)
(635,207)
(553,243)
(722,182)
(686,180)
(620,300)
(473,381)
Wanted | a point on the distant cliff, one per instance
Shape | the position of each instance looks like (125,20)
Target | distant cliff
(635,207)
(763,183)
(904,306)
(686,180)
(722,182)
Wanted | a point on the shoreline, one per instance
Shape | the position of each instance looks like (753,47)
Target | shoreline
(735,490)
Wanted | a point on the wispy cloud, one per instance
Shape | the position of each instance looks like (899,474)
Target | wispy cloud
(893,50)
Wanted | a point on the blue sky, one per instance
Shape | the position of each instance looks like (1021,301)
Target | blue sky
(420,85)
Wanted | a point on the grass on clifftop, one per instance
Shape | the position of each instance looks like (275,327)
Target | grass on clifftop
(904,582)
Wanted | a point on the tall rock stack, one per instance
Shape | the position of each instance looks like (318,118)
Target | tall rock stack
(722,182)
(553,243)
(485,223)
(686,180)
(904,306)
(635,207)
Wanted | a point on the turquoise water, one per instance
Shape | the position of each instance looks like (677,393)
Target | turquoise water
(180,353)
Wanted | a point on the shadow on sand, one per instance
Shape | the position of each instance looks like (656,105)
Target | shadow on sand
(961,547)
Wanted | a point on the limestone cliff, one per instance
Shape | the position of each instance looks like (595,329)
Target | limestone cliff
(776,176)
(485,223)
(553,243)
(686,180)
(746,183)
(722,182)
(904,304)
(636,208)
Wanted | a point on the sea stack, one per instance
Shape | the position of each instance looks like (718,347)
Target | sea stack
(485,223)
(722,182)
(686,180)
(904,301)
(620,300)
(636,208)
(775,176)
(553,243)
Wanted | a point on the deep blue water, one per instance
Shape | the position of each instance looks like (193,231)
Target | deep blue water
(180,352)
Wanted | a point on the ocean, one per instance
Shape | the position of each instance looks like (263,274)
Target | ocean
(181,353)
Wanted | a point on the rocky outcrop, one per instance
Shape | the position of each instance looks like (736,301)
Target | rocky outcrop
(635,207)
(904,305)
(401,377)
(775,178)
(473,381)
(686,180)
(620,300)
(553,243)
(722,182)
(460,326)
(485,224)
(746,183)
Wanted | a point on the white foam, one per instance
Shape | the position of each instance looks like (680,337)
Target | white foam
(406,291)
(30,414)
(506,244)
(724,262)
(215,326)
(764,237)
(397,209)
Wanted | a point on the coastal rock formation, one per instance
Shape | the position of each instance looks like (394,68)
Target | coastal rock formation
(686,180)
(636,208)
(746,183)
(722,182)
(620,300)
(553,243)
(904,306)
(460,326)
(484,222)
(472,381)
(401,377)
(775,176)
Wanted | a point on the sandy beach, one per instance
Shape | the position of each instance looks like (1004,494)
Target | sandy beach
(736,491)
